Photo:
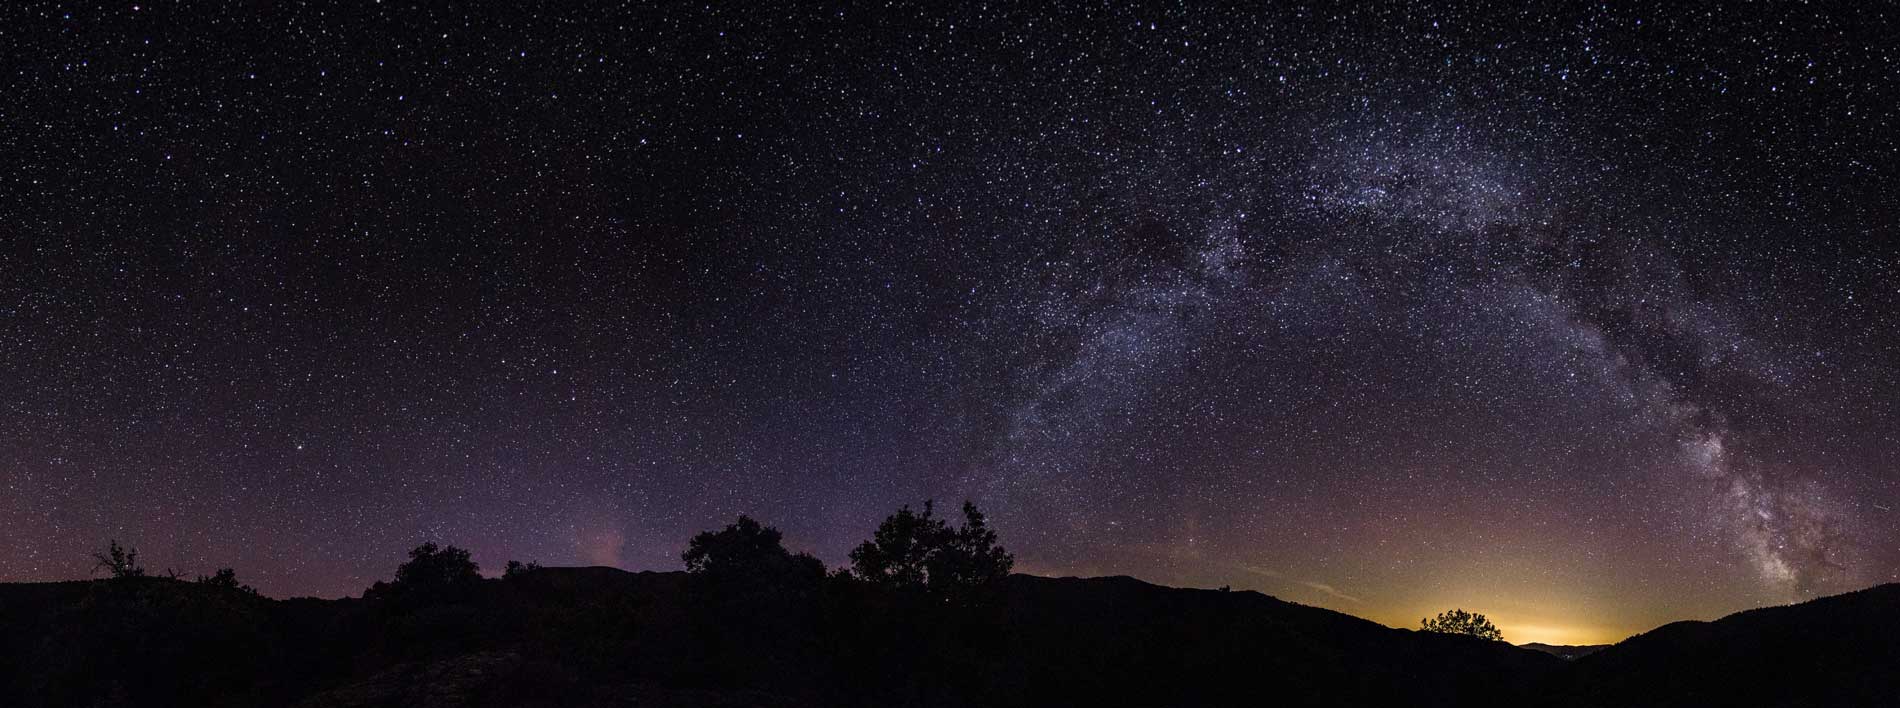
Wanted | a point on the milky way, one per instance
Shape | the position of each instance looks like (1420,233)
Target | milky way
(1583,316)
(1604,277)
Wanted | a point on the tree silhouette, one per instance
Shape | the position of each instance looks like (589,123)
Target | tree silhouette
(120,562)
(898,552)
(432,574)
(748,552)
(432,565)
(1462,622)
(755,611)
(971,559)
(920,551)
(516,569)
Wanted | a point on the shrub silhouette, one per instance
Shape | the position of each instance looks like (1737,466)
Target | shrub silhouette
(913,551)
(516,569)
(1462,622)
(120,562)
(226,578)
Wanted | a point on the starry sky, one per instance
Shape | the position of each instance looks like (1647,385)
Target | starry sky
(1582,315)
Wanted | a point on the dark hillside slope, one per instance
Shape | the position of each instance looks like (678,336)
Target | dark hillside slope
(1125,642)
(1833,651)
(130,641)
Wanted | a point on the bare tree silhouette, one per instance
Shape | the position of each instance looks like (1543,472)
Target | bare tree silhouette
(119,561)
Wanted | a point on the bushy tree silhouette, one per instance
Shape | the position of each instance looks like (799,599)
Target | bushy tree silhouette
(516,569)
(226,578)
(750,553)
(118,561)
(898,552)
(917,551)
(433,574)
(432,566)
(971,558)
(756,614)
(1462,622)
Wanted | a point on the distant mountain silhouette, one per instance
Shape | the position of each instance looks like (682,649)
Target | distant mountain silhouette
(1842,650)
(605,637)
(1566,651)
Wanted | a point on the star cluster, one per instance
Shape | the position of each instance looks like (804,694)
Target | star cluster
(1583,315)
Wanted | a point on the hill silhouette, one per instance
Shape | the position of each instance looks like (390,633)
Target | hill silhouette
(606,637)
(1842,650)
(1566,651)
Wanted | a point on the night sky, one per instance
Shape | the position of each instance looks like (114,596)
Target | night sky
(1585,316)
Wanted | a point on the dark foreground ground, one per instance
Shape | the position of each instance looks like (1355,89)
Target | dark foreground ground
(603,637)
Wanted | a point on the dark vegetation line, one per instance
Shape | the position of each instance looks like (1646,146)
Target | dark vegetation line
(911,552)
(746,564)
(926,614)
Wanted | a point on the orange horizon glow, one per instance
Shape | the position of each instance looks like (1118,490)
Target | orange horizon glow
(1524,627)
(1565,615)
